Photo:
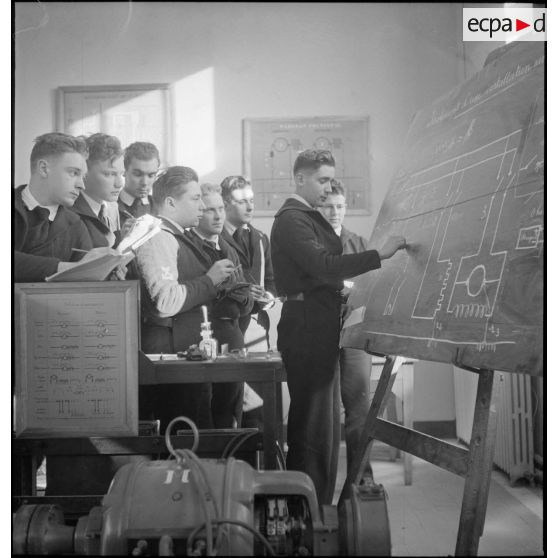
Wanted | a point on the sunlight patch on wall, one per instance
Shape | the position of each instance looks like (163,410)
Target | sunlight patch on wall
(194,121)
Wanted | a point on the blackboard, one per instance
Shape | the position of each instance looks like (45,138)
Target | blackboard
(468,195)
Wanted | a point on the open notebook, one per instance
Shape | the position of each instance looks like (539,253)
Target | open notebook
(100,267)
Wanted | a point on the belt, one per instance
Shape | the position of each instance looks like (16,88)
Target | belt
(297,296)
(301,296)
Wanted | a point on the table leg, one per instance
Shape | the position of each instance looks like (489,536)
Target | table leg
(269,424)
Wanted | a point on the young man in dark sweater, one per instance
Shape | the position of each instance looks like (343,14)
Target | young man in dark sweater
(97,204)
(227,310)
(309,269)
(251,244)
(355,365)
(252,247)
(141,163)
(45,232)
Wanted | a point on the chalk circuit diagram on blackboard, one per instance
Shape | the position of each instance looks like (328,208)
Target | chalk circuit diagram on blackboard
(271,147)
(467,285)
(468,197)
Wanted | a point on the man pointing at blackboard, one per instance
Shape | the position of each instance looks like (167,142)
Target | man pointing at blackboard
(309,271)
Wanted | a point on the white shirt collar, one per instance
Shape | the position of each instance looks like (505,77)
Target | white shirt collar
(128,199)
(214,238)
(174,223)
(31,203)
(231,229)
(337,230)
(300,199)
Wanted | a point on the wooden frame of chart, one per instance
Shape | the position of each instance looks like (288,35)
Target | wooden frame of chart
(76,359)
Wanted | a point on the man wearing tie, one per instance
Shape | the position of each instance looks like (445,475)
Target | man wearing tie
(228,308)
(97,206)
(45,232)
(141,163)
(177,277)
(251,244)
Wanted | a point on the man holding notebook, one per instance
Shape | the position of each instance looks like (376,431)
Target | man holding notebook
(47,235)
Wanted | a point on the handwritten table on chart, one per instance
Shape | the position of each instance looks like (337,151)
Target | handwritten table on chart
(75,350)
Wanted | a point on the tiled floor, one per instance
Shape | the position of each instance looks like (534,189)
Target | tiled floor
(424,517)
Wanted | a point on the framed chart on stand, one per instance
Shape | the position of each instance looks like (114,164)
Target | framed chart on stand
(76,365)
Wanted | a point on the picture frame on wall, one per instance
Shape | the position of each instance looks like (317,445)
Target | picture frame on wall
(138,112)
(76,359)
(271,145)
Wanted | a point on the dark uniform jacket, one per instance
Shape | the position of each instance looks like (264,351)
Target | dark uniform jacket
(307,254)
(100,234)
(34,262)
(134,211)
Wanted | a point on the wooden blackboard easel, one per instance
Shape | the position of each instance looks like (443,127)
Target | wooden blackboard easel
(474,465)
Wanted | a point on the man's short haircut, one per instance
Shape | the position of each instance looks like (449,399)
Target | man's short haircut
(103,147)
(171,183)
(207,189)
(337,188)
(141,150)
(231,183)
(55,144)
(313,159)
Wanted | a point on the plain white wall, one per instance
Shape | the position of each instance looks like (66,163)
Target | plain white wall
(295,59)
(228,61)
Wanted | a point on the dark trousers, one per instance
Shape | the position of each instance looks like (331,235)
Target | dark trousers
(308,339)
(355,368)
(167,401)
(253,418)
(226,400)
(217,405)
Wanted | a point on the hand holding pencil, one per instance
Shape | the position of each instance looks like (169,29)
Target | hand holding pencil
(220,271)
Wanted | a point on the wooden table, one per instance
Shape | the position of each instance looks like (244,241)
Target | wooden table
(266,369)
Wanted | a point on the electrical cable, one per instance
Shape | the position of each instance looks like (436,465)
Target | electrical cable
(187,457)
(191,424)
(229,444)
(280,455)
(246,526)
(184,461)
(246,436)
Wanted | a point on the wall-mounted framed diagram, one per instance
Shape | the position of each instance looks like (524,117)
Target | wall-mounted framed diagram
(140,112)
(270,147)
(76,358)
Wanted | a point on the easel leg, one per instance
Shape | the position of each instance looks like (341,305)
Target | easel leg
(408,414)
(379,401)
(481,454)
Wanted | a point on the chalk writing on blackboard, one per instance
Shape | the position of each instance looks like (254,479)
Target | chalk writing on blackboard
(469,198)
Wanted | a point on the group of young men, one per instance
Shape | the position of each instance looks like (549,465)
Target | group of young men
(82,195)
